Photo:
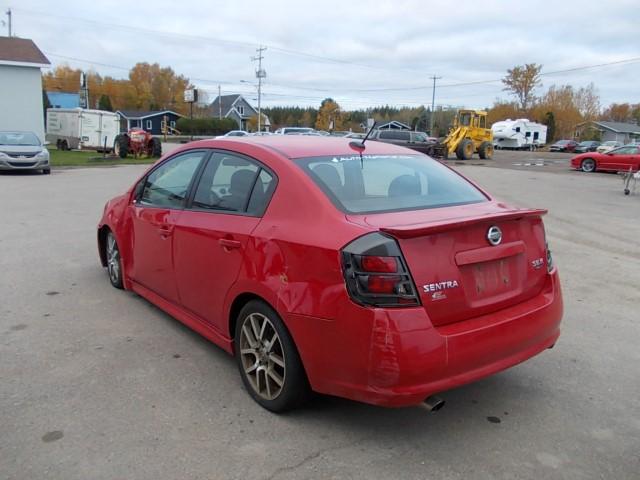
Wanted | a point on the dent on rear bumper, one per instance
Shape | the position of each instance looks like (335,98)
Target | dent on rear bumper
(397,358)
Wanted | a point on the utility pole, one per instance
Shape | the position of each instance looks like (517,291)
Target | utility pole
(260,74)
(219,103)
(433,104)
(9,20)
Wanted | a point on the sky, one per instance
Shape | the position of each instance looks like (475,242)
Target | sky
(360,53)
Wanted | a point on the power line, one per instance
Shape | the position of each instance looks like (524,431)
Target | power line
(235,43)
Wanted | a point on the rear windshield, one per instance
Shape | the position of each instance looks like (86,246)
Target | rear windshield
(389,183)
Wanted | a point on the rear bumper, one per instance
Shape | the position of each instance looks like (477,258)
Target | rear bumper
(397,358)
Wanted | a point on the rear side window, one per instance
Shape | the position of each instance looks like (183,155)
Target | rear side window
(388,183)
(394,135)
(231,183)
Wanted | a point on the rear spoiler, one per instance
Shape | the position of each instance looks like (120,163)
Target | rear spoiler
(420,229)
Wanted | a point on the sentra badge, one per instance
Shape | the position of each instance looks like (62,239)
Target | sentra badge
(439,286)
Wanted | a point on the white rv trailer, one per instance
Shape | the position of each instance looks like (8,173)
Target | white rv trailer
(72,128)
(518,134)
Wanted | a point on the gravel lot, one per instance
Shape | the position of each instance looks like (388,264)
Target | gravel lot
(97,383)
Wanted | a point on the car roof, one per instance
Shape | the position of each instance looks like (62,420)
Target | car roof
(300,146)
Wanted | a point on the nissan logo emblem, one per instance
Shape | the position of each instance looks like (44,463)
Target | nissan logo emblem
(494,235)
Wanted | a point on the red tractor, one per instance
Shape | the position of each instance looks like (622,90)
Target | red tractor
(137,142)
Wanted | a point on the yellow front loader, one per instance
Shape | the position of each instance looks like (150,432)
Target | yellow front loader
(468,135)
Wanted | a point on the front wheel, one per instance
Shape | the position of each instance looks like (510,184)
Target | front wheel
(588,165)
(465,149)
(486,151)
(268,360)
(114,261)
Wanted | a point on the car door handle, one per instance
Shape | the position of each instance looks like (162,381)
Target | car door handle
(165,231)
(228,244)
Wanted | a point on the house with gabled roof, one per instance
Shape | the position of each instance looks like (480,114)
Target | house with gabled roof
(612,131)
(21,96)
(392,125)
(238,108)
(151,121)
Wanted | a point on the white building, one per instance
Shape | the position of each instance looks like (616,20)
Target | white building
(21,100)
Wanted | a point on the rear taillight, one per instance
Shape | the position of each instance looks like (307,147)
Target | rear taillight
(376,274)
(549,257)
(548,253)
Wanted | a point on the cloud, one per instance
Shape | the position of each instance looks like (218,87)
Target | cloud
(365,45)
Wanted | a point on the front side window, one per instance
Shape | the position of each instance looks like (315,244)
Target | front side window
(167,185)
(231,183)
(387,183)
(420,137)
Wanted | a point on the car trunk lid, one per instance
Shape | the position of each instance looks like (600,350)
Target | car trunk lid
(459,274)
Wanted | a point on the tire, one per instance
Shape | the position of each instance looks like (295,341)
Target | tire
(465,149)
(268,360)
(121,146)
(588,165)
(114,260)
(155,148)
(486,151)
(46,171)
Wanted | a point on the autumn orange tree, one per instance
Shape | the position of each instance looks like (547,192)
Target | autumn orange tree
(622,112)
(149,87)
(329,115)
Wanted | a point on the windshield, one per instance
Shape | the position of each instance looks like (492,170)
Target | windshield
(19,138)
(388,183)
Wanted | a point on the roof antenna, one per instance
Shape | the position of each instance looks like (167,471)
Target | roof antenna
(359,145)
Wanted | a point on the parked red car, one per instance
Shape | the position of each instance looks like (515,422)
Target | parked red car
(564,146)
(617,160)
(384,278)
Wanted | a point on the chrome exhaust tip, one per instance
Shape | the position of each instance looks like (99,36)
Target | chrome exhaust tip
(433,403)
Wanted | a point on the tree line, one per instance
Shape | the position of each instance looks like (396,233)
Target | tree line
(152,87)
(560,107)
(148,87)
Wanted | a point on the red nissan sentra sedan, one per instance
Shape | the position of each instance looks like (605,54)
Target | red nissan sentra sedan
(384,277)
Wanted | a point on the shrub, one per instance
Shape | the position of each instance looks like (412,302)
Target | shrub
(205,126)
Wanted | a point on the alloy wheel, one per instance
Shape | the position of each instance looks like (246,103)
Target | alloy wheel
(262,356)
(113,259)
(588,165)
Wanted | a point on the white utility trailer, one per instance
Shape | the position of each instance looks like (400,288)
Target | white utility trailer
(518,134)
(78,128)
